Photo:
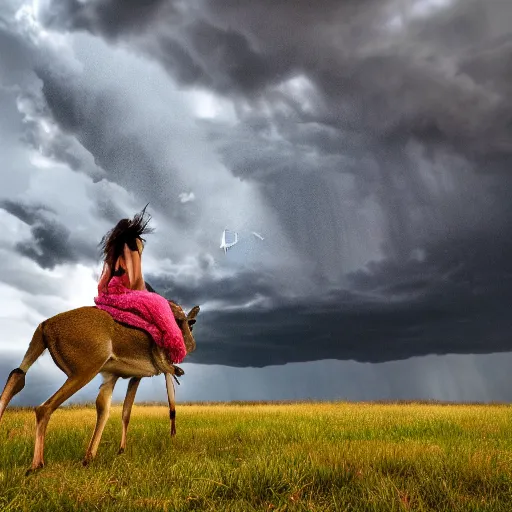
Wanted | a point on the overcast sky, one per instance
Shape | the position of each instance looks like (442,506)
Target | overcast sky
(368,141)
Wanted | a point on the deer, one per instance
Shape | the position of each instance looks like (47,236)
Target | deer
(85,342)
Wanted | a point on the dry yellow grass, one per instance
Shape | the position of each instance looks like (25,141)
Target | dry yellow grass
(308,456)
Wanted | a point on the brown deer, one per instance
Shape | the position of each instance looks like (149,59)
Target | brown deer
(84,342)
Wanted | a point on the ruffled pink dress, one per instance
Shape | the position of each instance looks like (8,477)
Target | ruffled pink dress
(145,310)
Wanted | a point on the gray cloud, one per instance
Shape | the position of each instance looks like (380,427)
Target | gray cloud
(16,57)
(222,59)
(379,145)
(49,246)
(121,153)
(449,301)
(40,132)
(109,18)
(29,214)
(51,241)
(369,100)
(241,289)
(388,85)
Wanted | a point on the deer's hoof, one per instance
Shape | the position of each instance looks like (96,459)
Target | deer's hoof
(121,451)
(33,469)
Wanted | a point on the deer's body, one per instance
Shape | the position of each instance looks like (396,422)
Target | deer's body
(84,342)
(121,350)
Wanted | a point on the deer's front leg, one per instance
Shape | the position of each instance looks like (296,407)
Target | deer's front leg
(127,409)
(103,402)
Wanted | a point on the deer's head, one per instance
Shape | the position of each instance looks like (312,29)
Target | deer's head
(185,323)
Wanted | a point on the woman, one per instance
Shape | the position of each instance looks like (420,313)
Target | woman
(122,247)
(122,291)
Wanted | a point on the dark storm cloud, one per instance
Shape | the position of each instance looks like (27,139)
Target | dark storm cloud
(110,18)
(373,94)
(242,288)
(50,244)
(369,94)
(455,301)
(29,214)
(417,121)
(389,91)
(221,59)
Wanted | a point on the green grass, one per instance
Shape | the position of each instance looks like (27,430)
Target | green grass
(243,457)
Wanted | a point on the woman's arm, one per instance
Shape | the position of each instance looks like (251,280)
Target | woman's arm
(105,276)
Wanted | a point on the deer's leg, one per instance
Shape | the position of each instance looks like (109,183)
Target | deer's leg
(171,398)
(15,383)
(16,380)
(103,402)
(127,409)
(45,410)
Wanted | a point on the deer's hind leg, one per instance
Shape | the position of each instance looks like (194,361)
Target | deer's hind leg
(127,409)
(45,410)
(103,402)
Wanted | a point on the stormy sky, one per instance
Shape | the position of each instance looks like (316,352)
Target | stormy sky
(368,141)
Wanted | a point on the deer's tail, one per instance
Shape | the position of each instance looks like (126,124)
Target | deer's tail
(16,380)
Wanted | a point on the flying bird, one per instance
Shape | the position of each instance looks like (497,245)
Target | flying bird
(224,244)
(230,238)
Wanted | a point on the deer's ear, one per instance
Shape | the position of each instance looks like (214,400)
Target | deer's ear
(191,322)
(193,313)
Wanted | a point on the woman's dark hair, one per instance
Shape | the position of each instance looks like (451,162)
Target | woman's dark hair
(126,231)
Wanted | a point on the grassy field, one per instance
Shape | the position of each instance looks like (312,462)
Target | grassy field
(242,457)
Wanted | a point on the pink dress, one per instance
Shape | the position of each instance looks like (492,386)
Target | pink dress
(145,310)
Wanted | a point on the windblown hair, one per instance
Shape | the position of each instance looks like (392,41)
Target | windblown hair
(126,231)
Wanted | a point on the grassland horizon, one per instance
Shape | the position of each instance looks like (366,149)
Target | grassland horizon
(162,403)
(265,455)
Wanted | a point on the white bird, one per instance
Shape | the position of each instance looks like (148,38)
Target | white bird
(226,245)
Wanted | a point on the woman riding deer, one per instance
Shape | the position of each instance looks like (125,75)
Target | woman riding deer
(122,291)
(87,341)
